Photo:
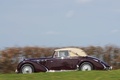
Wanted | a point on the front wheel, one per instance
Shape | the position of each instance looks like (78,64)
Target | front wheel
(86,66)
(27,68)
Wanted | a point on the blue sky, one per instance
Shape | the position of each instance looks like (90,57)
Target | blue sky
(54,23)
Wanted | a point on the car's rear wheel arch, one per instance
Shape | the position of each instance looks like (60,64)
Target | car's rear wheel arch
(27,64)
(86,62)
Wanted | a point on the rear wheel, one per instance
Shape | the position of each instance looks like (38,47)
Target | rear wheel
(86,66)
(27,68)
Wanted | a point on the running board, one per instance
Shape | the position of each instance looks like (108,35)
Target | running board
(60,70)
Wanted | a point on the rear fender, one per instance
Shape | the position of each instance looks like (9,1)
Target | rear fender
(37,67)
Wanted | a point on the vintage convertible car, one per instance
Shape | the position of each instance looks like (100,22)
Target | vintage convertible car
(62,60)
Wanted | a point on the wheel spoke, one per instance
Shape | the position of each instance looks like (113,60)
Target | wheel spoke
(27,69)
(86,67)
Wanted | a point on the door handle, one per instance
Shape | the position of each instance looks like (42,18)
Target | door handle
(51,61)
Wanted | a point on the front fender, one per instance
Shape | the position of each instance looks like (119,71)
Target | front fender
(96,65)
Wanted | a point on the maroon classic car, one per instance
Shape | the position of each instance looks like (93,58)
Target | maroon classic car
(62,60)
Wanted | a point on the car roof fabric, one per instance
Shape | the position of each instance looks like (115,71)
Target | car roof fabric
(74,51)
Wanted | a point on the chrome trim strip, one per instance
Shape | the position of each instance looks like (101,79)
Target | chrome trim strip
(104,66)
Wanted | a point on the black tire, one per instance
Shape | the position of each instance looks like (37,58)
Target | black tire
(27,68)
(86,66)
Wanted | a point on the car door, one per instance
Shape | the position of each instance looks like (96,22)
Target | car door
(54,64)
(69,63)
(62,61)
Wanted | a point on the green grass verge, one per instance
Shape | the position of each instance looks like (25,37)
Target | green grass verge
(73,75)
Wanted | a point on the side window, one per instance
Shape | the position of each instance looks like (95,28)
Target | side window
(59,54)
(63,53)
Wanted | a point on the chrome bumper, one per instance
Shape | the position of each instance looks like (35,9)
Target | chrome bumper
(107,68)
(110,68)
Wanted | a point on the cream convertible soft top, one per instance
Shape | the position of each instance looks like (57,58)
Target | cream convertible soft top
(73,51)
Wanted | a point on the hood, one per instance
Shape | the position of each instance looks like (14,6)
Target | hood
(98,60)
(91,57)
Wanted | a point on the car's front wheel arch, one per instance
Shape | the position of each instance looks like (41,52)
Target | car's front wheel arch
(86,66)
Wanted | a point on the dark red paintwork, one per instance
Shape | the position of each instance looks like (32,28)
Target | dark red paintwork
(62,63)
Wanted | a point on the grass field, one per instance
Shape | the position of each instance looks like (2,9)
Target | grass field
(73,75)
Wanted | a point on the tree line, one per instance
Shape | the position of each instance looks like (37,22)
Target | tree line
(10,57)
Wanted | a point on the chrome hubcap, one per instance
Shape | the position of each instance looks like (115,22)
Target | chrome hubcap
(86,67)
(26,69)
